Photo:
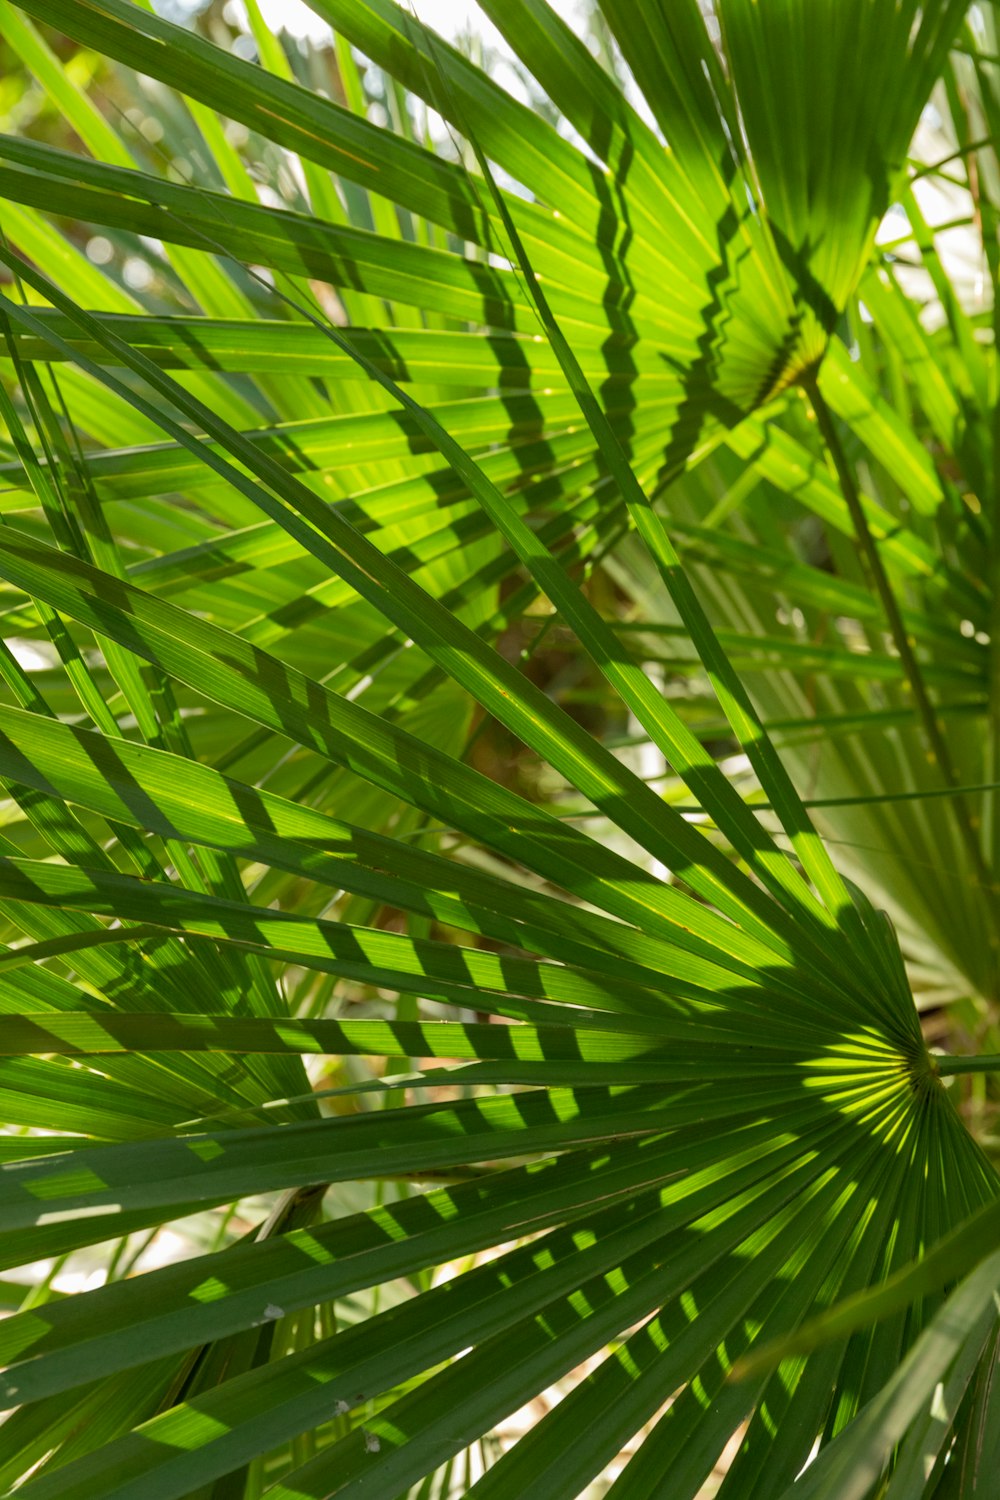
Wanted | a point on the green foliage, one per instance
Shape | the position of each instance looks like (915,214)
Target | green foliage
(499,743)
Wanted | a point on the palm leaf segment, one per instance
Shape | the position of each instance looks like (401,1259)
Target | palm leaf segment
(723,1117)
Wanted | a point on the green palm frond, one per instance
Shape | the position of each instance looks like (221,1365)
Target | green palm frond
(279,948)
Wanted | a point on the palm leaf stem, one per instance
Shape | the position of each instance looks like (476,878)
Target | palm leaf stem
(988,1062)
(937,744)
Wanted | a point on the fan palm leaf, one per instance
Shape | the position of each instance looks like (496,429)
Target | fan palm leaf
(256,573)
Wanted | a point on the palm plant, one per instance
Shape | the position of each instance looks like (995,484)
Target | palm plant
(327,418)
